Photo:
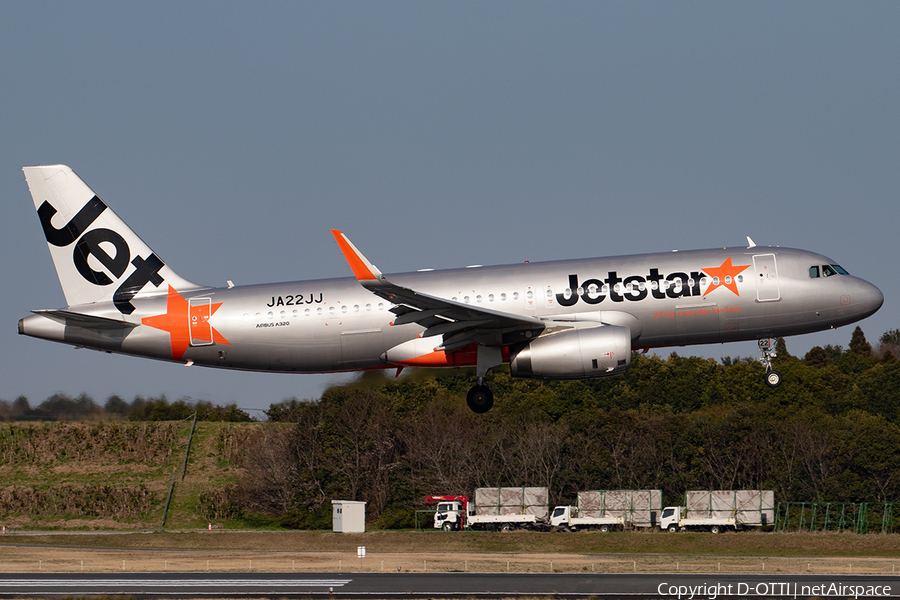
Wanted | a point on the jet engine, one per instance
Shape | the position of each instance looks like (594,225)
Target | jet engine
(579,353)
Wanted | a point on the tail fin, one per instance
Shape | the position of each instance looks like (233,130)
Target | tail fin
(98,258)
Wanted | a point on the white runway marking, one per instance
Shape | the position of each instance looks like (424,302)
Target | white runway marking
(31,583)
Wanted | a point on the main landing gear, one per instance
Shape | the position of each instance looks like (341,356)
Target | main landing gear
(773,377)
(480,398)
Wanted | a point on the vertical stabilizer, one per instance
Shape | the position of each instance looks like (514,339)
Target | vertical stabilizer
(98,258)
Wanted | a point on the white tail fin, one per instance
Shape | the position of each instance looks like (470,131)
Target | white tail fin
(97,256)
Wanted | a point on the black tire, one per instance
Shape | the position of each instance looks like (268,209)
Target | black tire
(672,529)
(480,399)
(604,529)
(448,527)
(506,527)
(773,379)
(715,529)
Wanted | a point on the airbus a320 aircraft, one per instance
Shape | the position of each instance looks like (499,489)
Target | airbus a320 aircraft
(572,319)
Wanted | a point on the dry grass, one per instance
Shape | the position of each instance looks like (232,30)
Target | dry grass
(515,552)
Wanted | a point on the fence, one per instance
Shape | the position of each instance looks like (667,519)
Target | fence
(864,517)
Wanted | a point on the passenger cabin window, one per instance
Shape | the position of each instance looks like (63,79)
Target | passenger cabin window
(813,272)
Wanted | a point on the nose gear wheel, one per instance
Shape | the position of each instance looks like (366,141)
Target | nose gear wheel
(773,377)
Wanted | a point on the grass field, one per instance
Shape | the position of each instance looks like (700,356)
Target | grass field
(745,552)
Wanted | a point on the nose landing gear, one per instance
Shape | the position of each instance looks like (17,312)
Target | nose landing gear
(773,377)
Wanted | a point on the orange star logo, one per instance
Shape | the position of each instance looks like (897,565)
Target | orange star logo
(186,323)
(726,275)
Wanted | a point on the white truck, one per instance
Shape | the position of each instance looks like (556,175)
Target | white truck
(565,518)
(674,519)
(720,510)
(505,509)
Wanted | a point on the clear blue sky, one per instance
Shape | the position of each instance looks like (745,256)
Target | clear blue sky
(233,136)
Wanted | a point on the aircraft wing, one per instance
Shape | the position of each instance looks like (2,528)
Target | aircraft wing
(460,324)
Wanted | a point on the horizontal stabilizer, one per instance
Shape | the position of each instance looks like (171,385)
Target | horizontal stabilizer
(70,318)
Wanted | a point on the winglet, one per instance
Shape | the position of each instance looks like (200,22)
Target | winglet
(362,268)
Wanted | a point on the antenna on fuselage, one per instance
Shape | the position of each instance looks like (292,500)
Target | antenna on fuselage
(750,243)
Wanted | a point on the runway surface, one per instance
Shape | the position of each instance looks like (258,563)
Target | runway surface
(445,585)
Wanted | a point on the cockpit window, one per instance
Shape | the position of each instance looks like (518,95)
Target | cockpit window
(826,271)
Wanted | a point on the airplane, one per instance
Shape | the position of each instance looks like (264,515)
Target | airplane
(567,319)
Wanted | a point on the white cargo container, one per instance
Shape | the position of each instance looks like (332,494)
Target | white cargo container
(636,508)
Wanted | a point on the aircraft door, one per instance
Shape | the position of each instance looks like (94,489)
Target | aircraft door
(549,297)
(767,288)
(531,299)
(198,319)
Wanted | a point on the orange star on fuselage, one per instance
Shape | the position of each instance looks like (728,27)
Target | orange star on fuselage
(727,270)
(177,321)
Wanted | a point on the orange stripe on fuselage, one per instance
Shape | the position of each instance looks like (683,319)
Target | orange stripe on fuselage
(464,357)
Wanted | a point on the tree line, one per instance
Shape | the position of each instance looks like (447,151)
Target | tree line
(830,432)
(61,407)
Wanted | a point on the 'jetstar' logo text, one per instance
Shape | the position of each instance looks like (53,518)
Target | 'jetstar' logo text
(655,284)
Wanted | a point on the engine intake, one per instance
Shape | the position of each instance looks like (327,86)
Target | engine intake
(581,353)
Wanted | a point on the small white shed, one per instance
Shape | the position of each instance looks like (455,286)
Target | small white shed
(348,516)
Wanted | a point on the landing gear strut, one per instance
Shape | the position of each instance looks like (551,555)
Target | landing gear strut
(773,377)
(480,398)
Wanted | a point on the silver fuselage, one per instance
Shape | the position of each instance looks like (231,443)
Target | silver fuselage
(328,325)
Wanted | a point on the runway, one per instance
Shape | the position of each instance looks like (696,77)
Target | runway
(446,585)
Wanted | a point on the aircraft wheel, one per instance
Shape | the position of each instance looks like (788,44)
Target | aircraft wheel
(480,399)
(673,529)
(773,379)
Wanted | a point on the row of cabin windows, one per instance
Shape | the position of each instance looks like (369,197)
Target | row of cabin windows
(332,310)
(604,289)
(529,295)
(816,271)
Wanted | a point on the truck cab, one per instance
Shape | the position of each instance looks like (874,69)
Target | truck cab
(449,516)
(671,519)
(561,515)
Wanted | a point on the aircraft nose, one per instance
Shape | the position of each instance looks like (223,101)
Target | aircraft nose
(868,297)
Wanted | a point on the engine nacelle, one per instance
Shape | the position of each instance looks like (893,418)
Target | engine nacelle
(581,353)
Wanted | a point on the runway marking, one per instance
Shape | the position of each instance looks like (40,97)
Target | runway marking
(7,583)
